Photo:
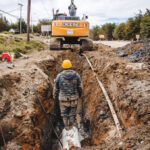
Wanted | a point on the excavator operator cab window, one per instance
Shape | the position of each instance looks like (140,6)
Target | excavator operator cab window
(65,18)
(71,18)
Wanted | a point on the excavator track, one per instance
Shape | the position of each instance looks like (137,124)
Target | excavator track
(87,45)
(55,44)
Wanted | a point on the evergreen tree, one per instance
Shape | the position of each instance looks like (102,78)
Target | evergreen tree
(17,26)
(108,30)
(137,20)
(3,24)
(119,32)
(145,27)
(24,26)
(130,29)
(94,33)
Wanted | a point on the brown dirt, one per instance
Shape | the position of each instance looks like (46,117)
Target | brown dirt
(128,85)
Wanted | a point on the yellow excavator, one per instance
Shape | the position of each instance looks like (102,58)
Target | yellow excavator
(70,30)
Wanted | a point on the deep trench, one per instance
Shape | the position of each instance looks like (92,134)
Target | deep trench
(97,117)
(90,111)
(49,138)
(92,102)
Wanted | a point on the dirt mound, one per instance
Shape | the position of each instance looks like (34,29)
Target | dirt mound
(136,52)
(128,85)
(21,116)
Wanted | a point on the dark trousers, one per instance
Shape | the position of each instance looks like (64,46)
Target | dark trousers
(68,111)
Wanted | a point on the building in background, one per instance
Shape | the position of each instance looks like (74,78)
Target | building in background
(46,30)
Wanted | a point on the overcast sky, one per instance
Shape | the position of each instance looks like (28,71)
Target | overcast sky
(99,11)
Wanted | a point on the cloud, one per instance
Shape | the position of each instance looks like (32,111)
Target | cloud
(99,11)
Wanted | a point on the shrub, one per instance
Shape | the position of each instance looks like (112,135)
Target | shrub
(18,39)
(17,55)
(2,39)
(17,52)
(36,45)
(28,47)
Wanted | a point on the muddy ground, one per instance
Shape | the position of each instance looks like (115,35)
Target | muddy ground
(24,123)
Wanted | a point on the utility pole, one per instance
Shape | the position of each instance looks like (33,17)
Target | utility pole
(20,17)
(28,20)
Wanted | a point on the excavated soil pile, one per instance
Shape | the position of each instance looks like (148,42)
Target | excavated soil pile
(21,117)
(128,85)
(136,52)
(24,123)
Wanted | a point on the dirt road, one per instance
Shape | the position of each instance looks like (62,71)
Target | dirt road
(114,44)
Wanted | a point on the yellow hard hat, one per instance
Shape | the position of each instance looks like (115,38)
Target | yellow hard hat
(66,64)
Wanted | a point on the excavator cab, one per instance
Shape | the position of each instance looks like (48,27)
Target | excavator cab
(70,30)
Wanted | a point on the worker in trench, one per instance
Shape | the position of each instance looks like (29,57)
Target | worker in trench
(68,90)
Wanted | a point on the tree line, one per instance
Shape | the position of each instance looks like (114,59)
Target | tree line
(6,26)
(138,25)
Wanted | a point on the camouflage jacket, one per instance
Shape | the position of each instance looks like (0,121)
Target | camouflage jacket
(68,85)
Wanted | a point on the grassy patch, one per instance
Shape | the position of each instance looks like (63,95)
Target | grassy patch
(17,39)
(36,34)
(2,39)
(17,52)
(4,48)
(18,45)
(36,45)
(6,32)
(28,47)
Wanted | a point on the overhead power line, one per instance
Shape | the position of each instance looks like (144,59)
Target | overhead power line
(9,14)
(13,10)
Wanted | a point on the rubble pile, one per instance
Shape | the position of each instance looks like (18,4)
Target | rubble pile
(137,52)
